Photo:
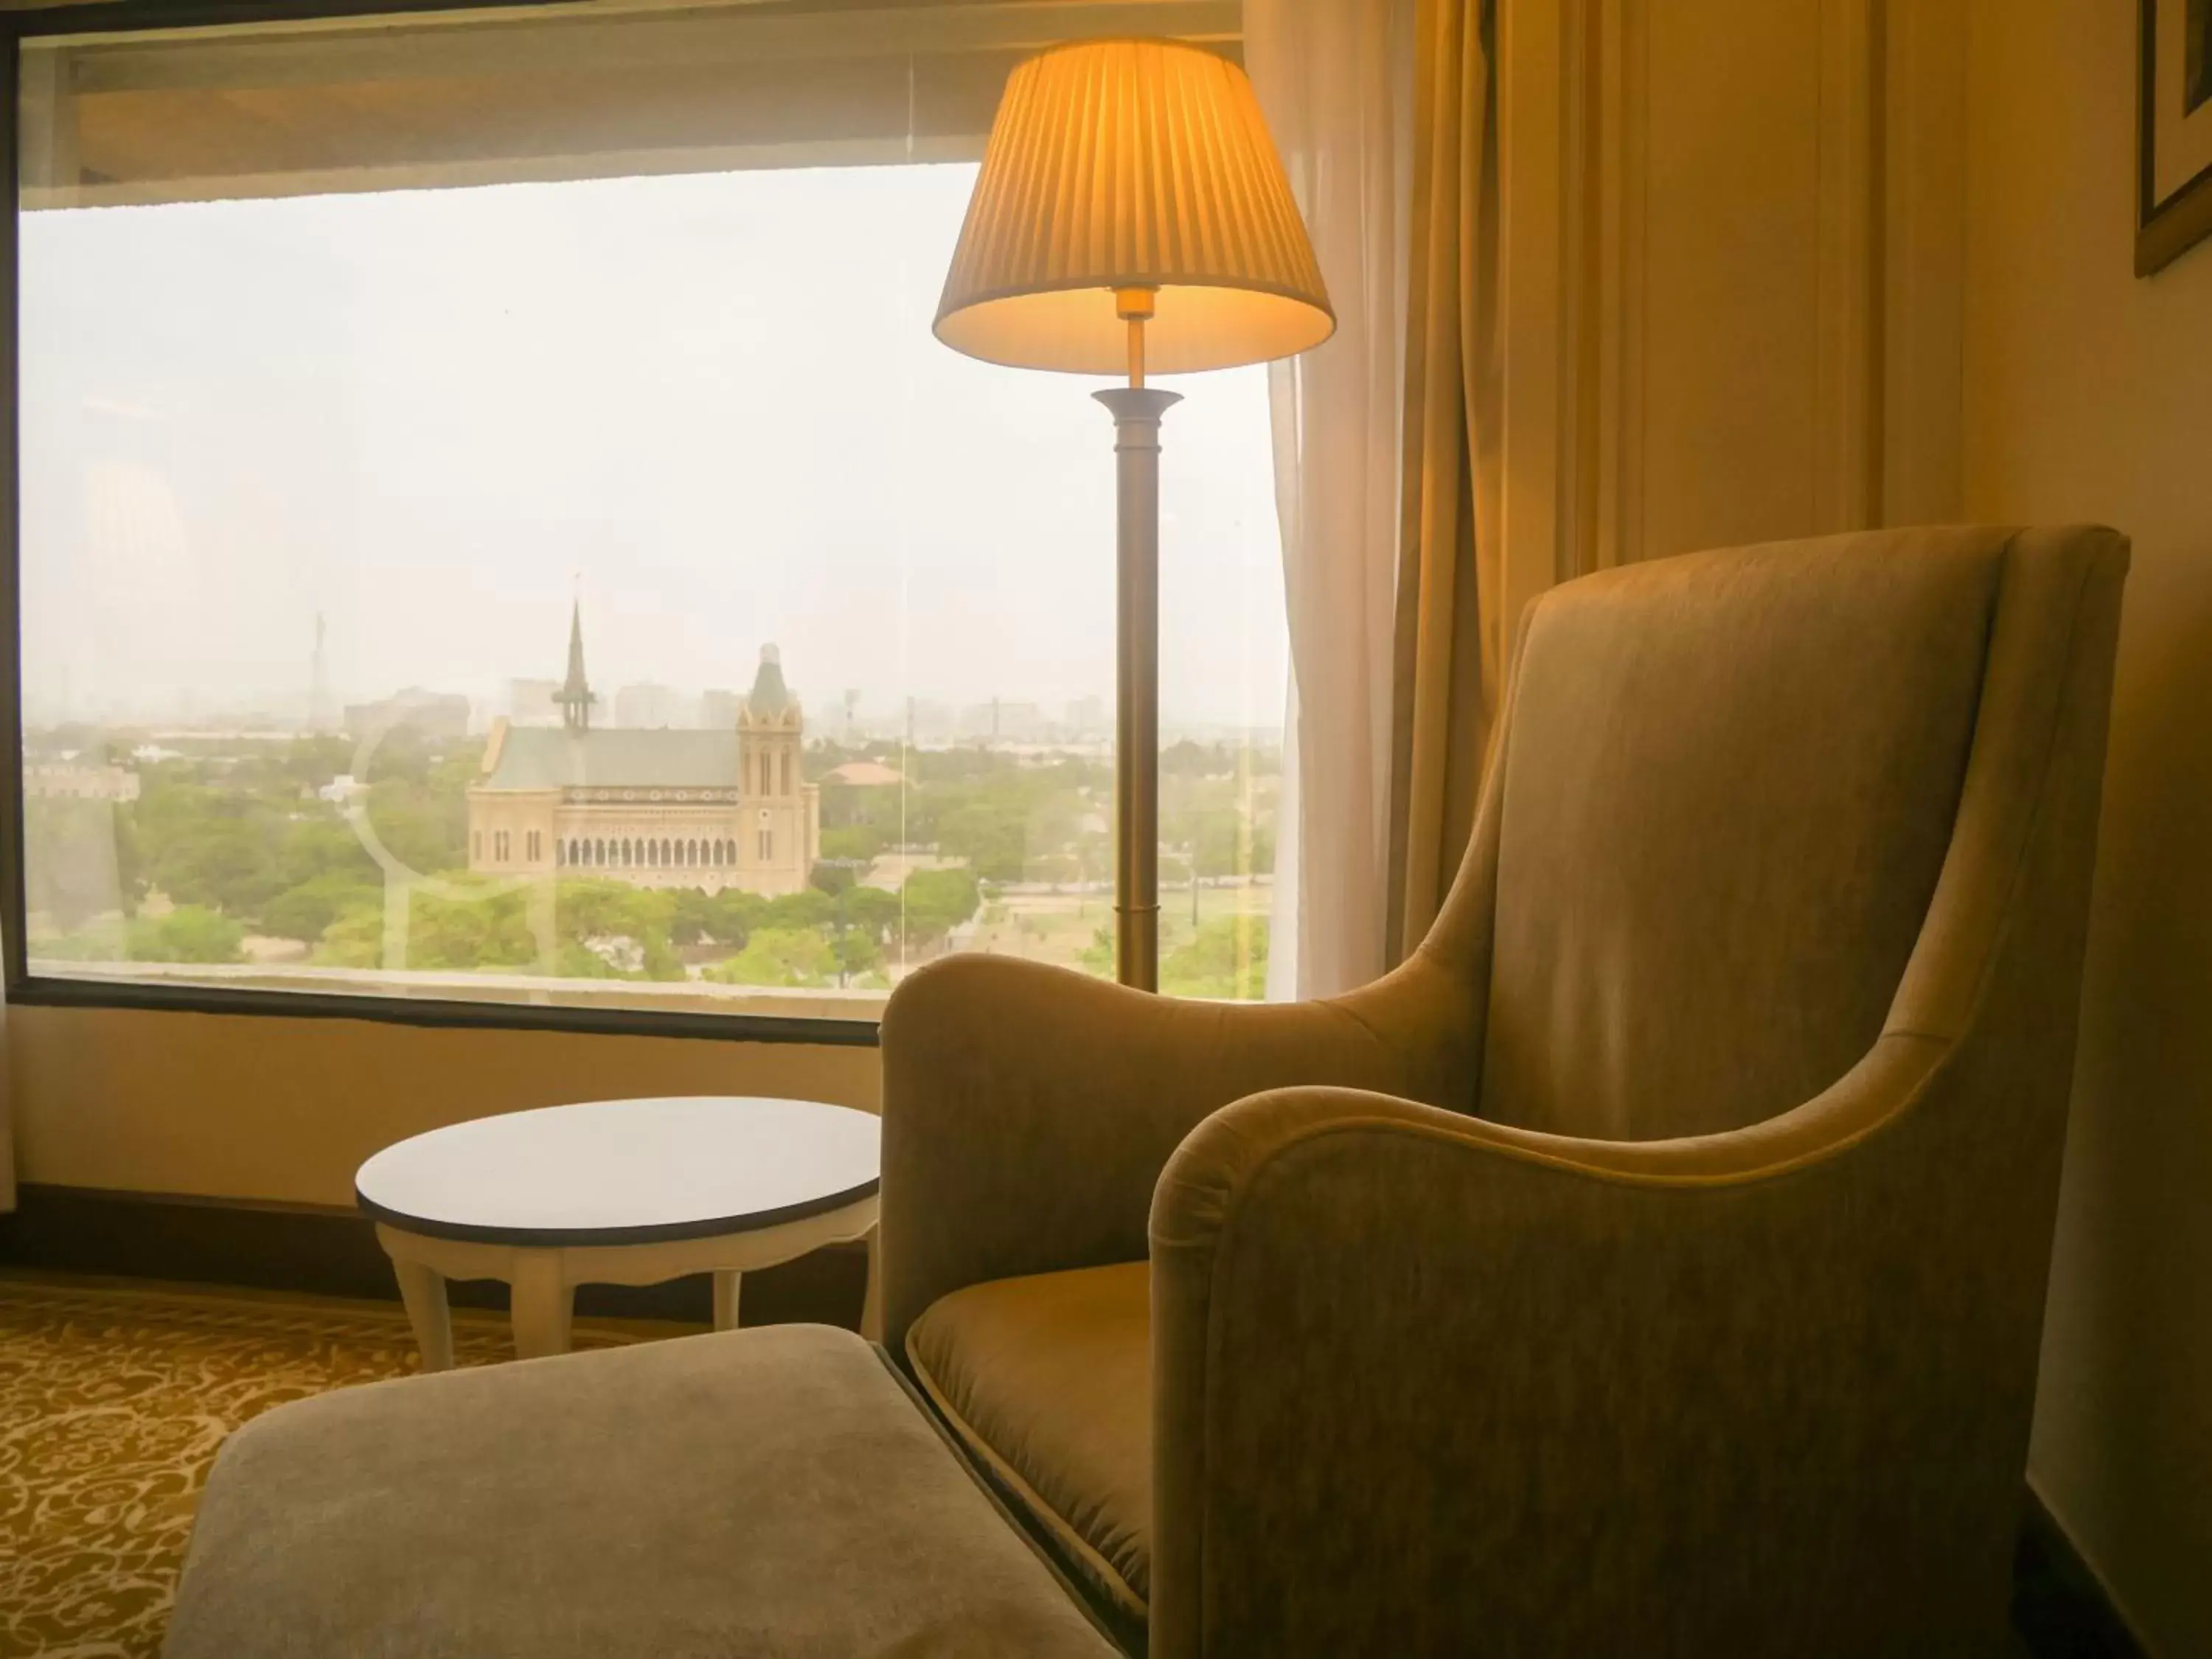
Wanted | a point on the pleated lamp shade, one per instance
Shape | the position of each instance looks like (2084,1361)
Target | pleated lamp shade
(1132,164)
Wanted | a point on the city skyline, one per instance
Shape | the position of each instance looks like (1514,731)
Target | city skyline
(239,416)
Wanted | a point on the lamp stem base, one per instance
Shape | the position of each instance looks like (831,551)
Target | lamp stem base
(1137,411)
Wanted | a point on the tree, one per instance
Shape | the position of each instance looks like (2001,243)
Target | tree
(854,841)
(1226,957)
(488,930)
(73,859)
(992,835)
(872,910)
(423,824)
(1098,957)
(306,911)
(857,953)
(354,938)
(786,956)
(220,855)
(936,902)
(810,908)
(188,934)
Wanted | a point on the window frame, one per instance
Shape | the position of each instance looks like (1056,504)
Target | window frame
(24,988)
(92,17)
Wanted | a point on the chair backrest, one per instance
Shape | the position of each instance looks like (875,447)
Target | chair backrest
(1728,785)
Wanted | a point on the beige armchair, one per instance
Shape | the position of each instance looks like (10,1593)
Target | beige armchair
(1655,1263)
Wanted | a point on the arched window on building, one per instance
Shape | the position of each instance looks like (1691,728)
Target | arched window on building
(783,773)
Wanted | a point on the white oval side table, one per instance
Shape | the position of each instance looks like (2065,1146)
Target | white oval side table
(620,1191)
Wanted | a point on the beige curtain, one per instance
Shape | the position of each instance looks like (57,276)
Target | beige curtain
(1450,649)
(7,1129)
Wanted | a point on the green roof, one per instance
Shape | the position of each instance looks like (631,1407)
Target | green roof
(551,758)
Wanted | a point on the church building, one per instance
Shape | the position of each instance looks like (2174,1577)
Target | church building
(705,809)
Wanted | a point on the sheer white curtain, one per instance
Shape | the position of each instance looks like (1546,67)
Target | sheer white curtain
(1334,77)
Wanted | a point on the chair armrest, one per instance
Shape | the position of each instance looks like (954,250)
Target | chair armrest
(1427,1384)
(1027,1110)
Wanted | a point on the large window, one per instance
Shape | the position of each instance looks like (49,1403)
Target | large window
(495,524)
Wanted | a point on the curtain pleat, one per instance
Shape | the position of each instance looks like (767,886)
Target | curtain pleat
(7,1129)
(1450,643)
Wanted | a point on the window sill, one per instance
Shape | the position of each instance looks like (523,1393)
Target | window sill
(494,1002)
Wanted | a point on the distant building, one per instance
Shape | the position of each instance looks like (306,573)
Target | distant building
(322,716)
(647,707)
(530,702)
(77,780)
(432,714)
(928,722)
(1087,717)
(717,710)
(342,789)
(1001,721)
(671,807)
(865,775)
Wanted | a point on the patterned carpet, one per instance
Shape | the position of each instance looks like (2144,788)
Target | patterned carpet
(113,1399)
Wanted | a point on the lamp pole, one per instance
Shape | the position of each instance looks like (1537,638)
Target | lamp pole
(1136,408)
(1140,169)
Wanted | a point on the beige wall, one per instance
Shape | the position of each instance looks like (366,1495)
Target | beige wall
(240,1107)
(2088,395)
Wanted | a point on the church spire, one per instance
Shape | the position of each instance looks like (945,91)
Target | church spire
(574,695)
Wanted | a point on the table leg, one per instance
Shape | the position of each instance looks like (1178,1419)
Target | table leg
(872,1302)
(726,1300)
(542,1303)
(422,1291)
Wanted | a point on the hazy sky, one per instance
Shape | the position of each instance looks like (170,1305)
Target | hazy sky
(714,401)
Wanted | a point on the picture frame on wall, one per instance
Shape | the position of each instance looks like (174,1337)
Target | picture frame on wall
(2173,107)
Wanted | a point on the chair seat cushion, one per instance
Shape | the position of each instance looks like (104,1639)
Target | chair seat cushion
(775,1493)
(1049,1380)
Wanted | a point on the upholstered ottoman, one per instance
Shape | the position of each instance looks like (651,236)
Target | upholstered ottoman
(768,1493)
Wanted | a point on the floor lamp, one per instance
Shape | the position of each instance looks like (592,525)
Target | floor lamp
(1132,212)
